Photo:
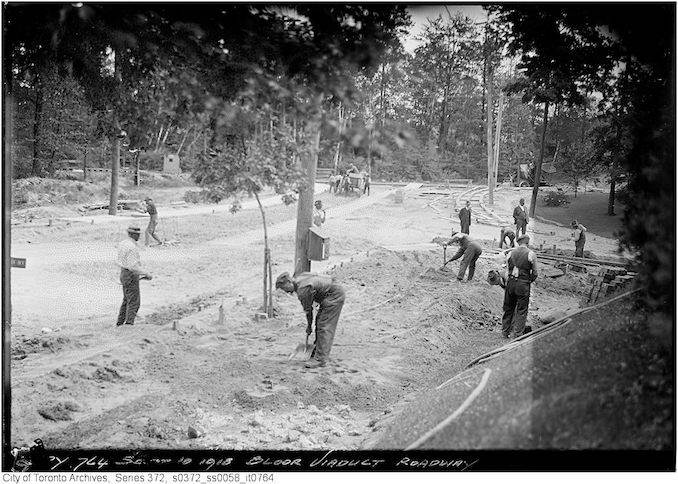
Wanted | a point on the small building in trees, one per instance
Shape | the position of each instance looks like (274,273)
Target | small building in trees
(170,164)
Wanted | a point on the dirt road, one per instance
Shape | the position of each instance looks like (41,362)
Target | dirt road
(184,378)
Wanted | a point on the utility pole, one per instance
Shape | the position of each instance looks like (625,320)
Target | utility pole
(309,163)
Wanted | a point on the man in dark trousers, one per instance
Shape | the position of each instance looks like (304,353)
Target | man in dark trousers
(465,218)
(468,248)
(329,295)
(153,222)
(130,273)
(507,233)
(520,217)
(522,272)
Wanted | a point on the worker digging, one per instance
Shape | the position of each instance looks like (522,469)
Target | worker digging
(470,250)
(330,297)
(152,222)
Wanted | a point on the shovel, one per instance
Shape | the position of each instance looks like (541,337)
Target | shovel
(303,351)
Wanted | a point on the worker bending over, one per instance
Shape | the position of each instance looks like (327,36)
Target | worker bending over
(330,297)
(507,233)
(470,250)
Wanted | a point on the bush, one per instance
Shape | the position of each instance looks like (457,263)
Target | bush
(556,199)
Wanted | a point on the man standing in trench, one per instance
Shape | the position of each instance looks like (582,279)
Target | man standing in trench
(130,273)
(471,250)
(329,295)
(522,272)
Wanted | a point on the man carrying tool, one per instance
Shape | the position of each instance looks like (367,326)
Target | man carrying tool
(522,272)
(465,218)
(153,222)
(130,273)
(579,237)
(507,233)
(468,248)
(329,295)
(520,217)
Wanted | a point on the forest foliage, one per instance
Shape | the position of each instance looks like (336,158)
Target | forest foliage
(243,92)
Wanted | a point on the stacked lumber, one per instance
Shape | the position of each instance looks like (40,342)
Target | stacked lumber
(606,282)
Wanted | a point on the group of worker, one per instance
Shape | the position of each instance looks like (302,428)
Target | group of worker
(507,235)
(521,263)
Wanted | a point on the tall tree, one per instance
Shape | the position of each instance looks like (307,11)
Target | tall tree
(556,61)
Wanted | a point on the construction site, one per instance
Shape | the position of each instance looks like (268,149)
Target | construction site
(204,368)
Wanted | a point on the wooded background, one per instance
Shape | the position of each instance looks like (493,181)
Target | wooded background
(242,93)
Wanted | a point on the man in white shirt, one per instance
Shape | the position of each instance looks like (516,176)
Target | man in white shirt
(579,236)
(319,215)
(130,274)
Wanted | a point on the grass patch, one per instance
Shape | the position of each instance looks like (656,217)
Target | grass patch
(588,208)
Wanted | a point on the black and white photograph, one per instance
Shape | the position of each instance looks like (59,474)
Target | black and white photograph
(369,237)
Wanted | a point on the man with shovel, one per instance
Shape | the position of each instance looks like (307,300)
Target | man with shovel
(470,250)
(329,295)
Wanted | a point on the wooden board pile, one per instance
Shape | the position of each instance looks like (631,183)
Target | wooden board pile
(606,282)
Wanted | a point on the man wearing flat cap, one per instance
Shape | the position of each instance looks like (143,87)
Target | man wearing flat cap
(130,273)
(522,272)
(153,222)
(329,295)
(470,250)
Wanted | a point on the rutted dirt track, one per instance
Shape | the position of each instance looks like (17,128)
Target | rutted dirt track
(183,378)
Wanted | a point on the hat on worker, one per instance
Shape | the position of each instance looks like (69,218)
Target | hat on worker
(523,238)
(282,280)
(574,223)
(133,230)
(147,199)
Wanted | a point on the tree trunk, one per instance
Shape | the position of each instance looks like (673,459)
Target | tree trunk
(267,260)
(537,169)
(309,162)
(382,94)
(36,169)
(340,142)
(50,166)
(489,121)
(157,140)
(183,140)
(115,168)
(84,159)
(497,144)
(610,200)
